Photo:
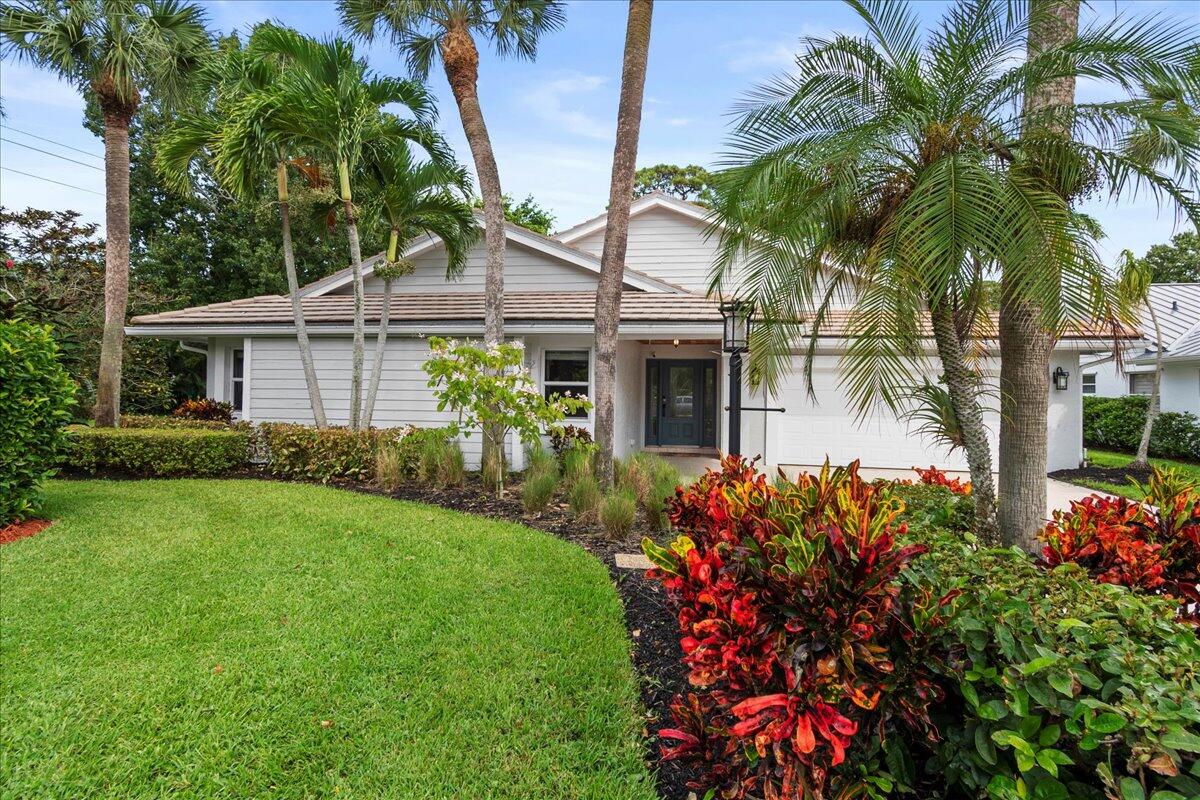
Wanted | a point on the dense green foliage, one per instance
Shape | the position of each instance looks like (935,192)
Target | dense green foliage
(262,639)
(35,398)
(164,421)
(1177,262)
(57,279)
(528,213)
(156,452)
(691,183)
(1116,423)
(302,451)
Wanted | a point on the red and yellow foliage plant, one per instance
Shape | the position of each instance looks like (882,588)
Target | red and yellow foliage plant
(203,408)
(936,477)
(1152,546)
(803,650)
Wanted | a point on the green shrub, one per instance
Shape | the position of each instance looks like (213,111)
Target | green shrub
(301,451)
(584,497)
(1064,687)
(35,400)
(161,421)
(538,490)
(618,512)
(1116,423)
(206,409)
(156,452)
(931,506)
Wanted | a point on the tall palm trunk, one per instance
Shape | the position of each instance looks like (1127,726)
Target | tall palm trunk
(460,59)
(289,267)
(616,230)
(381,336)
(116,266)
(357,354)
(1025,345)
(964,397)
(1142,459)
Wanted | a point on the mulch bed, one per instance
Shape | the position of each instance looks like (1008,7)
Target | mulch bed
(20,530)
(1117,475)
(649,619)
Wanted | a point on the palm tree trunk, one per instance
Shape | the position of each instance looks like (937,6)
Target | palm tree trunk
(460,58)
(116,268)
(964,397)
(1142,459)
(616,230)
(358,352)
(289,267)
(381,336)
(1025,344)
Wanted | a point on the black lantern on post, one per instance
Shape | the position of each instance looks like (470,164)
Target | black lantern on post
(735,340)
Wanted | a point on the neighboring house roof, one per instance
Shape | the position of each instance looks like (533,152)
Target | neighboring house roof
(514,233)
(639,206)
(1177,307)
(531,307)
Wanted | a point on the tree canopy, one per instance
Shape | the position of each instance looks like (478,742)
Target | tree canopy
(528,213)
(1176,262)
(691,183)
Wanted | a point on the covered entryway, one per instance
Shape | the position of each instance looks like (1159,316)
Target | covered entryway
(681,402)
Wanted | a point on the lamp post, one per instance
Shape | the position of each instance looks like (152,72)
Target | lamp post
(735,340)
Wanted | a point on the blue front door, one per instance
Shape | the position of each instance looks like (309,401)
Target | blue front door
(681,402)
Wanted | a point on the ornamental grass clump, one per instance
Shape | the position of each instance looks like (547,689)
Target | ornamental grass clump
(805,653)
(584,497)
(577,463)
(618,512)
(389,468)
(538,490)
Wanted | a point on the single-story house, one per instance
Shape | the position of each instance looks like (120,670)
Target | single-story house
(1177,306)
(672,376)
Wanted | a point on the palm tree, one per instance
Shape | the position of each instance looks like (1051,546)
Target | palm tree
(235,76)
(328,102)
(424,29)
(890,173)
(1134,287)
(413,199)
(616,228)
(113,51)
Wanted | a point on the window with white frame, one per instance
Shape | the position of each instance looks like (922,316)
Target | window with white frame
(1089,384)
(567,371)
(1141,383)
(236,378)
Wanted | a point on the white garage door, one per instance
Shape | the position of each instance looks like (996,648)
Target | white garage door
(811,430)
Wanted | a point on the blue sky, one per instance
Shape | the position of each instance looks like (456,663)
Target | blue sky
(552,121)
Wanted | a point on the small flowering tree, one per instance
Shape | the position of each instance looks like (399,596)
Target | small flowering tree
(490,386)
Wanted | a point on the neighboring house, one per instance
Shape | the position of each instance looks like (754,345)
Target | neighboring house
(672,378)
(1177,306)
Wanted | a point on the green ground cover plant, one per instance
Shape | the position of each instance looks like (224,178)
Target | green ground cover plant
(199,638)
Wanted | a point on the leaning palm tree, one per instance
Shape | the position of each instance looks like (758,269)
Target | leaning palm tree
(413,199)
(327,101)
(892,175)
(1134,286)
(113,51)
(234,76)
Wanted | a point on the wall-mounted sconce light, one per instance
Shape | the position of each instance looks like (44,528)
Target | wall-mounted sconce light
(1060,379)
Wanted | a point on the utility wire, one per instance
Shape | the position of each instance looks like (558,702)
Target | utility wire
(51,141)
(55,155)
(51,180)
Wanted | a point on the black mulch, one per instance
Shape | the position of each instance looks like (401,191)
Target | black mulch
(649,619)
(1117,475)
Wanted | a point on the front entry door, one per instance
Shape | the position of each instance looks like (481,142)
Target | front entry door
(681,400)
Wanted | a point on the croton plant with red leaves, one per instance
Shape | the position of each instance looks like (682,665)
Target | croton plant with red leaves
(1152,546)
(936,477)
(802,648)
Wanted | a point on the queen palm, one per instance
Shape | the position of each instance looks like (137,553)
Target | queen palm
(412,199)
(113,51)
(895,172)
(234,77)
(328,103)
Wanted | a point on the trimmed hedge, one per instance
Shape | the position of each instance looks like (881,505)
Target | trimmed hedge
(35,397)
(301,451)
(159,421)
(156,452)
(1115,423)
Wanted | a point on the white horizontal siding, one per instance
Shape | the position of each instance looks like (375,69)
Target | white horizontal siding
(278,392)
(525,270)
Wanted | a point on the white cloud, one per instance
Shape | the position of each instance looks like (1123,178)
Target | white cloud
(551,101)
(755,54)
(678,122)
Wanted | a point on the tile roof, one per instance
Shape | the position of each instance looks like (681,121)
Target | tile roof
(636,307)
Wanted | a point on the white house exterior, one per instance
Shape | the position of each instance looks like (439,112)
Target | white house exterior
(672,378)
(1177,306)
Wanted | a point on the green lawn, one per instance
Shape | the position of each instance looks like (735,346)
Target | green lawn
(189,638)
(1105,458)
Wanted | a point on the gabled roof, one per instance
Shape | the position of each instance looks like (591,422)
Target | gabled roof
(513,233)
(1177,307)
(641,205)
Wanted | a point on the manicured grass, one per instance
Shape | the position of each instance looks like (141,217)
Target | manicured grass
(197,638)
(1105,458)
